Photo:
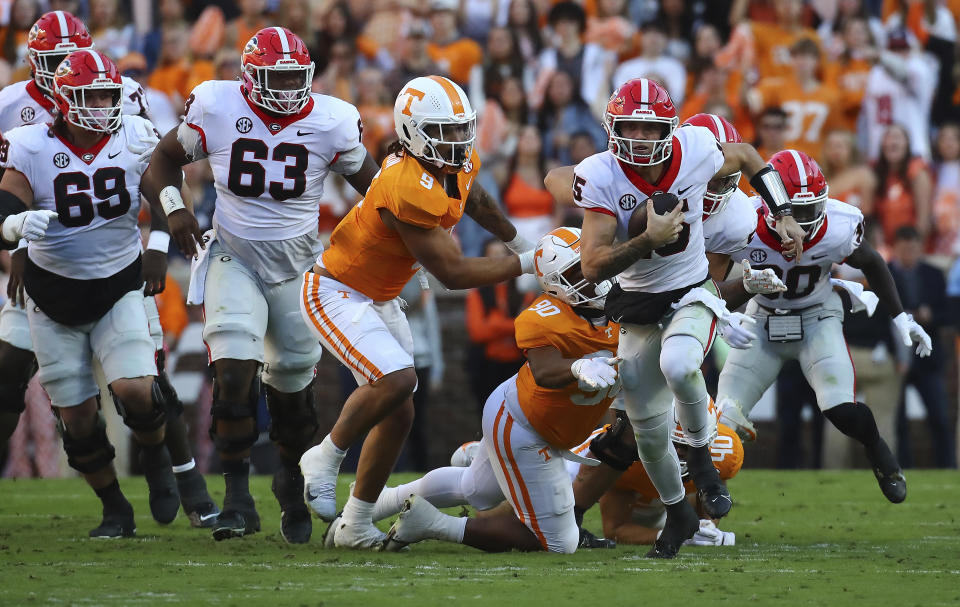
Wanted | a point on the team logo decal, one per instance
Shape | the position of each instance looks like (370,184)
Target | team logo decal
(88,158)
(467,166)
(27,114)
(758,256)
(35,32)
(617,103)
(252,46)
(60,160)
(274,127)
(628,202)
(244,125)
(63,69)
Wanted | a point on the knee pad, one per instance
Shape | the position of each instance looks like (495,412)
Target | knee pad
(169,399)
(95,450)
(653,436)
(234,410)
(147,421)
(293,418)
(680,359)
(614,446)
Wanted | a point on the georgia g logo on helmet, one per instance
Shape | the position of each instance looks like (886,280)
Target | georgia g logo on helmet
(35,32)
(63,69)
(252,46)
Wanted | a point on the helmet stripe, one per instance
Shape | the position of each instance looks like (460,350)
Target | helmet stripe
(800,169)
(451,92)
(284,43)
(721,132)
(566,236)
(62,22)
(96,58)
(644,90)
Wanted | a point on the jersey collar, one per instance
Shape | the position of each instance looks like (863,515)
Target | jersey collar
(87,155)
(666,180)
(772,239)
(275,124)
(37,95)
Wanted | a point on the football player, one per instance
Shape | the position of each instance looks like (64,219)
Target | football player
(81,172)
(530,422)
(271,144)
(804,323)
(51,38)
(350,297)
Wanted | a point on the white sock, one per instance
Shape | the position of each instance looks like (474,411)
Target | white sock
(389,502)
(184,467)
(331,456)
(358,511)
(450,528)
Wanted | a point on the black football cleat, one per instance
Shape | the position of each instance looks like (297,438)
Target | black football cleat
(164,496)
(195,499)
(682,523)
(590,541)
(890,477)
(295,523)
(114,525)
(711,491)
(238,518)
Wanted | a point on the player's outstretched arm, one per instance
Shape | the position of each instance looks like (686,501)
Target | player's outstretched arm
(483,209)
(551,370)
(442,257)
(360,181)
(866,259)
(161,185)
(601,259)
(16,219)
(559,182)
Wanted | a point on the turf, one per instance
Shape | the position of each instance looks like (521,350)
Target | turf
(803,538)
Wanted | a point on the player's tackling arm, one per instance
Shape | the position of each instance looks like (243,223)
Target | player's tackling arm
(866,259)
(161,185)
(483,209)
(440,255)
(550,369)
(360,181)
(616,512)
(559,182)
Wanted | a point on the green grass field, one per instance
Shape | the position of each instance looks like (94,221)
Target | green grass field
(803,538)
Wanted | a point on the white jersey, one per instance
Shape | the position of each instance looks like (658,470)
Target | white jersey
(23,103)
(808,283)
(96,193)
(732,229)
(602,184)
(269,171)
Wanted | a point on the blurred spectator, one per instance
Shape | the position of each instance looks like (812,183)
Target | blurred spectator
(762,50)
(33,449)
(922,290)
(454,54)
(654,63)
(335,23)
(477,17)
(771,132)
(162,113)
(500,122)
(112,33)
(170,13)
(904,187)
(851,180)
(564,113)
(899,91)
(376,110)
(502,60)
(522,21)
(172,76)
(424,323)
(340,77)
(296,16)
(710,89)
(834,30)
(528,204)
(946,192)
(851,71)
(812,106)
(610,28)
(413,58)
(677,18)
(13,35)
(250,21)
(588,65)
(493,356)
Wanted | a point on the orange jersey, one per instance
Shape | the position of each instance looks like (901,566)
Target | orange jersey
(564,417)
(810,113)
(727,452)
(850,79)
(457,58)
(370,257)
(772,44)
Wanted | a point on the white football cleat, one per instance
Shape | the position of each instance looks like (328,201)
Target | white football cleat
(730,415)
(319,485)
(416,521)
(463,456)
(358,536)
(331,531)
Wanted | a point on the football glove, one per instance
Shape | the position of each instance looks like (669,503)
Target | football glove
(595,374)
(761,281)
(29,225)
(733,327)
(143,149)
(709,535)
(909,331)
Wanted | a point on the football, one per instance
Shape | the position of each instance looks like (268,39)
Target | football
(662,203)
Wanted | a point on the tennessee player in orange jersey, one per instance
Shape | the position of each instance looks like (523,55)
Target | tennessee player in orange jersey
(529,423)
(350,297)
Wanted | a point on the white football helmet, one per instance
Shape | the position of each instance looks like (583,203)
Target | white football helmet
(435,121)
(557,266)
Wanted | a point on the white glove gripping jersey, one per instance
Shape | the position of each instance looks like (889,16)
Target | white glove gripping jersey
(731,229)
(269,171)
(601,184)
(23,103)
(808,284)
(96,193)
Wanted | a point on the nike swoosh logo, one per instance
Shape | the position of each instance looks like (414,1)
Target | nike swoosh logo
(114,155)
(310,497)
(680,192)
(301,133)
(818,256)
(207,517)
(691,431)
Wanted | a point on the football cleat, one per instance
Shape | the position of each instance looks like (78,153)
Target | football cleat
(319,485)
(164,495)
(590,541)
(358,536)
(463,456)
(732,416)
(711,491)
(295,524)
(195,499)
(682,524)
(331,529)
(114,525)
(414,523)
(239,517)
(890,477)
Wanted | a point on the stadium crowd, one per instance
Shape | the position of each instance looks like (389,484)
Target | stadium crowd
(868,88)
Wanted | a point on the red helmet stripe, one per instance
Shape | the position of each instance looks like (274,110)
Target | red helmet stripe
(802,172)
(721,131)
(644,90)
(284,43)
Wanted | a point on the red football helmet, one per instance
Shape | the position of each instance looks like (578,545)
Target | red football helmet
(55,35)
(719,190)
(806,187)
(277,70)
(81,82)
(640,100)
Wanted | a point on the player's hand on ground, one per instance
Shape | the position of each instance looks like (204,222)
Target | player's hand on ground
(15,293)
(154,272)
(185,231)
(911,332)
(595,374)
(663,229)
(791,235)
(710,535)
(761,281)
(735,329)
(29,225)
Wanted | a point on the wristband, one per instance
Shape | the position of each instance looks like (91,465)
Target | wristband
(158,241)
(519,244)
(769,185)
(171,200)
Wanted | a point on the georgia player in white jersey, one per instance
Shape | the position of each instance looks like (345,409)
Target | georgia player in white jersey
(804,322)
(271,144)
(52,37)
(659,268)
(81,172)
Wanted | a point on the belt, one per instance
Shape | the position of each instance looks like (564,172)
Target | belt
(785,311)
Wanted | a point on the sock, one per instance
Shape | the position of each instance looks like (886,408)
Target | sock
(449,528)
(856,421)
(578,515)
(440,487)
(330,456)
(113,499)
(182,468)
(236,475)
(389,502)
(358,511)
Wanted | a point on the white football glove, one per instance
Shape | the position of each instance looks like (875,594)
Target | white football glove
(709,535)
(519,245)
(526,261)
(733,327)
(143,149)
(29,225)
(761,281)
(909,331)
(595,374)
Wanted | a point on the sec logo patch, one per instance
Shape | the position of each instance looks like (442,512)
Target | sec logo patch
(27,114)
(60,160)
(758,256)
(628,202)
(244,125)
